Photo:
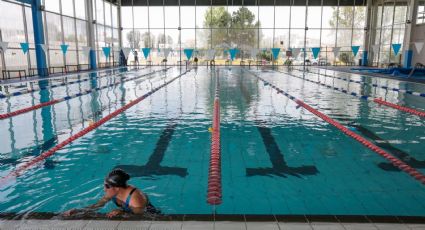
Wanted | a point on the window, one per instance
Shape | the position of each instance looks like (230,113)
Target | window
(80,9)
(298,17)
(127,17)
(68,8)
(52,5)
(421,12)
(282,17)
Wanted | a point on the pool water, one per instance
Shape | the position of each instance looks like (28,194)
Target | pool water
(276,158)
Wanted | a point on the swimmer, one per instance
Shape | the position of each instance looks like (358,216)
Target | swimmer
(128,198)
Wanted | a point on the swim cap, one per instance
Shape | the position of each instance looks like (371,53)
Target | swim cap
(117,178)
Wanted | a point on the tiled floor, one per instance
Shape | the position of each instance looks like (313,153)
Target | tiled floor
(204,225)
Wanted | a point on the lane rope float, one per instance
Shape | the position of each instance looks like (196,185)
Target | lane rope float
(17,172)
(393,160)
(55,101)
(214,192)
(61,84)
(372,84)
(364,97)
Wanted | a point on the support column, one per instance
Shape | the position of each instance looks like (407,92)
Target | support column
(37,20)
(409,34)
(119,24)
(90,34)
(370,31)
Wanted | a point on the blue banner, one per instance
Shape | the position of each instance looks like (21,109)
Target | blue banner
(233,53)
(25,47)
(146,52)
(396,48)
(64,48)
(315,51)
(355,50)
(275,52)
(106,51)
(188,52)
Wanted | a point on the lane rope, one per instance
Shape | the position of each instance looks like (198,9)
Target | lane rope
(372,84)
(55,101)
(364,97)
(214,192)
(393,160)
(60,85)
(20,170)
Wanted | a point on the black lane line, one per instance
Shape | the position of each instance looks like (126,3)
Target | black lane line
(382,143)
(153,166)
(279,165)
(48,163)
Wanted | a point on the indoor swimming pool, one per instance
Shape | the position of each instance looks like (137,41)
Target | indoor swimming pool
(277,158)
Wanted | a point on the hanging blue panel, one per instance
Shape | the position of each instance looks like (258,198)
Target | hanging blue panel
(396,48)
(315,51)
(188,52)
(275,52)
(146,52)
(355,50)
(25,47)
(64,48)
(106,51)
(233,53)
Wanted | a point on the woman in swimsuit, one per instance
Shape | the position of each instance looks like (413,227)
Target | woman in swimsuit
(128,198)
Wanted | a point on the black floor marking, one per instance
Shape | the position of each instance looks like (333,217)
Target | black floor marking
(153,167)
(48,163)
(279,166)
(402,155)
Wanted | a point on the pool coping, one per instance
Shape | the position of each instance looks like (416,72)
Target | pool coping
(226,217)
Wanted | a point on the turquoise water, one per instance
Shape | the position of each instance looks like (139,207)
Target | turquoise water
(276,158)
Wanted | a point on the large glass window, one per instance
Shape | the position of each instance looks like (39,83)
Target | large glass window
(68,8)
(80,9)
(313,19)
(52,5)
(282,16)
(421,12)
(188,17)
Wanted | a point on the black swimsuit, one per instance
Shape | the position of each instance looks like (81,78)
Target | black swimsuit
(148,209)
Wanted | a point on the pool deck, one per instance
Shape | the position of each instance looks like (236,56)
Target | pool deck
(347,69)
(189,225)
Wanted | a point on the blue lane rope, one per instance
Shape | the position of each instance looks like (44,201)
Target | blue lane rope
(55,101)
(374,85)
(55,86)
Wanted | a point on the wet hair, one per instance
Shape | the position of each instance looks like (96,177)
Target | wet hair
(117,178)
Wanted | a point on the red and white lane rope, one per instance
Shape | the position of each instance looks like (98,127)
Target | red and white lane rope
(55,101)
(21,169)
(214,174)
(364,97)
(393,160)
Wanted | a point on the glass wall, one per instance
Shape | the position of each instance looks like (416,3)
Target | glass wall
(390,28)
(65,22)
(107,29)
(421,13)
(16,28)
(207,26)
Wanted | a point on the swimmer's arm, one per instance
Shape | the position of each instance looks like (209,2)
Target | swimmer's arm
(98,205)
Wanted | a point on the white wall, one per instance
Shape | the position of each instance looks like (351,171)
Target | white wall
(419,36)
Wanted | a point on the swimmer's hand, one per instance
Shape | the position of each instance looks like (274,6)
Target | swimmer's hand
(70,212)
(114,213)
(75,211)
